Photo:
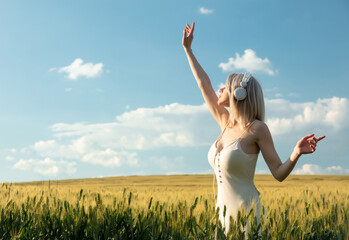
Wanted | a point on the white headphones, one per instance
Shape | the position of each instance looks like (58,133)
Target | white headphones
(240,93)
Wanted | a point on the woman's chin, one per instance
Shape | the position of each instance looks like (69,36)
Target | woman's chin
(222,104)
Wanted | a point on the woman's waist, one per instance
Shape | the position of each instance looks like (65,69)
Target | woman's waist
(242,191)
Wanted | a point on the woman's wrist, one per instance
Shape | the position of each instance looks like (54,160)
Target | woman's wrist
(295,155)
(187,49)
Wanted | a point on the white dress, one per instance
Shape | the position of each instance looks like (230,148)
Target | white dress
(234,170)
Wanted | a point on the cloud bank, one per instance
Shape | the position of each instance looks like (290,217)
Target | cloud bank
(177,126)
(311,169)
(286,117)
(47,167)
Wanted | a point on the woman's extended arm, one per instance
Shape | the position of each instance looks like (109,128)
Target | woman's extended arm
(281,170)
(200,75)
(219,112)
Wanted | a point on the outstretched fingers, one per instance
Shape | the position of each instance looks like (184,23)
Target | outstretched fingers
(308,136)
(192,27)
(312,143)
(190,30)
(313,137)
(320,138)
(187,28)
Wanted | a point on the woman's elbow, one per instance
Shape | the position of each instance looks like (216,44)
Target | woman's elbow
(277,174)
(279,178)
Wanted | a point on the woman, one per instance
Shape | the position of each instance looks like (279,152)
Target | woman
(233,155)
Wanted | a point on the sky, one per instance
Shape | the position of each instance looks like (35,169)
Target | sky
(104,88)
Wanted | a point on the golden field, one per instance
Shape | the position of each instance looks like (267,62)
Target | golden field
(302,205)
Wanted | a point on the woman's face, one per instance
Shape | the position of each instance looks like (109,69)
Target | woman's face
(223,98)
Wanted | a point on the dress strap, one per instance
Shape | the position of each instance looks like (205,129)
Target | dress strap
(247,128)
(220,136)
(225,127)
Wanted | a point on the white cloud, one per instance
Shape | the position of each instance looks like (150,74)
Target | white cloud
(312,169)
(167,163)
(146,128)
(77,69)
(110,158)
(83,145)
(309,169)
(47,167)
(284,116)
(205,11)
(68,89)
(9,158)
(10,150)
(54,149)
(334,168)
(24,164)
(249,62)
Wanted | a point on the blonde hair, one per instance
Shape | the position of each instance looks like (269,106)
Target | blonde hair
(252,107)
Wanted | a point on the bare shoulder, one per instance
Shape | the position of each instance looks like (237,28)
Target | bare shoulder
(260,129)
(260,125)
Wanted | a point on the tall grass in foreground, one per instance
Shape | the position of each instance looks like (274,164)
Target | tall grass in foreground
(309,215)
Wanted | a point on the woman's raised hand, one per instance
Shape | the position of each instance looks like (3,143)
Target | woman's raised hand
(188,36)
(307,144)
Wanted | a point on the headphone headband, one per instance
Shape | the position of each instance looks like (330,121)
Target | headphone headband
(246,77)
(240,93)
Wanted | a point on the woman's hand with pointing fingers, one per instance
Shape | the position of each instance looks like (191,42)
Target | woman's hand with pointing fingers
(307,144)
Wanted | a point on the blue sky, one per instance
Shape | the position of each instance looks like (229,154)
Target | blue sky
(103,88)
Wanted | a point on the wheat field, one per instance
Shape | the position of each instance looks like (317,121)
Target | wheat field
(170,207)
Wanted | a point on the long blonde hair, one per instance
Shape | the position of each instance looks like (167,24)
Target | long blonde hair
(252,107)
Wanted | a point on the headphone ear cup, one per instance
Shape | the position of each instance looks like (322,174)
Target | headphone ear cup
(240,93)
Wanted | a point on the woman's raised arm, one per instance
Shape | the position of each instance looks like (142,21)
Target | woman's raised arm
(219,112)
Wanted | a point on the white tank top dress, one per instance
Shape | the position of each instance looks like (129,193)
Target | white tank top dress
(234,170)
